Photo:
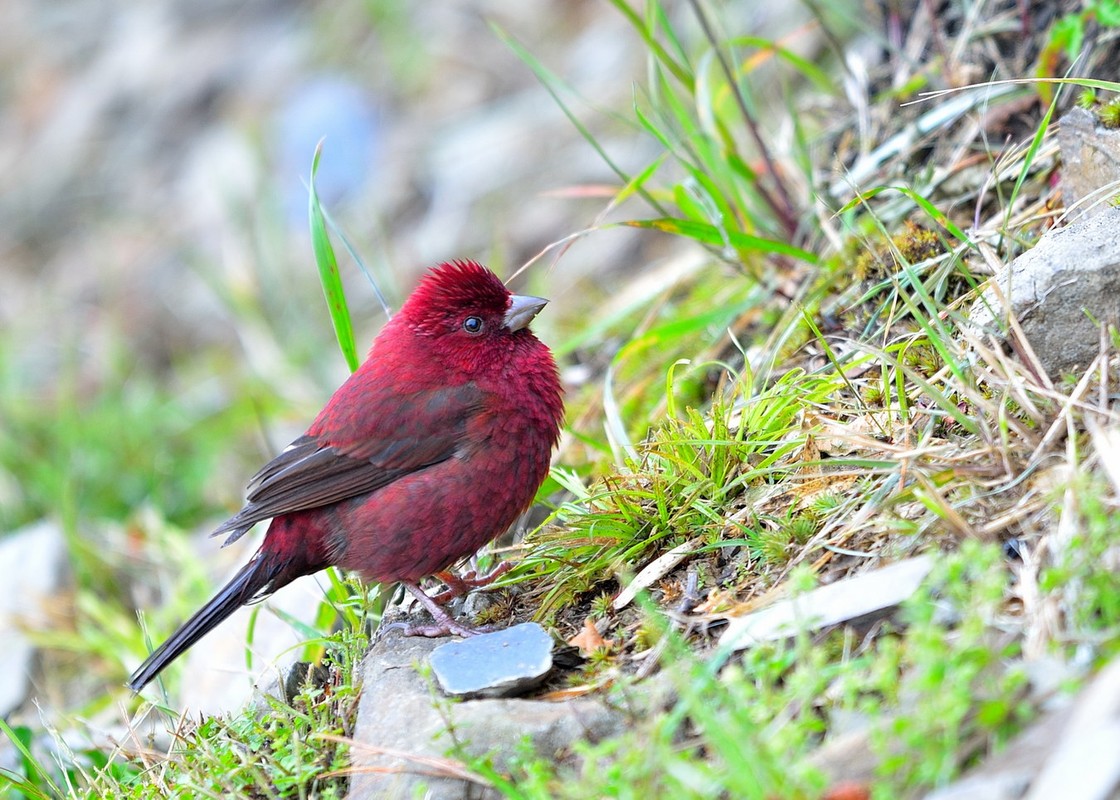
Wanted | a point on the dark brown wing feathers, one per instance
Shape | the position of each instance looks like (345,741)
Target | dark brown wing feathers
(312,472)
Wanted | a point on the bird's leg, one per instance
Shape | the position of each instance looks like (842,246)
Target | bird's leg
(443,624)
(459,585)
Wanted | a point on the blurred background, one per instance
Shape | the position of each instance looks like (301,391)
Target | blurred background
(156,156)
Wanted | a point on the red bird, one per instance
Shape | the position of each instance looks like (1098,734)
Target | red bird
(430,450)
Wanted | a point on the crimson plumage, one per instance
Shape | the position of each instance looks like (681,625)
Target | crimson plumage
(431,449)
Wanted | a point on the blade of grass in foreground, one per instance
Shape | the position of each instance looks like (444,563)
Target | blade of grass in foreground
(328,271)
(33,769)
(710,234)
(936,214)
(335,295)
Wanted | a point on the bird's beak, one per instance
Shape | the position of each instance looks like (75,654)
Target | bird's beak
(522,309)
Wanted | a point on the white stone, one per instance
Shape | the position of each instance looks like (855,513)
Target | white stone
(838,602)
(31,562)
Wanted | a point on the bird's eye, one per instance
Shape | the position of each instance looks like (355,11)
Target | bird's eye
(473,325)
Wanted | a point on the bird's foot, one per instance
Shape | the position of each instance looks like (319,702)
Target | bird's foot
(459,585)
(443,623)
(436,629)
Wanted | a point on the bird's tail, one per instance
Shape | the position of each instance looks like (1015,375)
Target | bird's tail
(254,579)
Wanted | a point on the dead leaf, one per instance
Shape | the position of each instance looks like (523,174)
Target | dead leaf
(588,640)
(849,790)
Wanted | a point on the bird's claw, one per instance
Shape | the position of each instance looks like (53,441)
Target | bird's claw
(442,623)
(441,628)
(459,585)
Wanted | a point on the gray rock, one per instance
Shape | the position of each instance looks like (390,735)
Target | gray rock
(1060,291)
(505,663)
(407,737)
(1090,158)
(31,561)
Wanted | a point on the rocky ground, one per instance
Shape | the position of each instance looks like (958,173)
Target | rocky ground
(154,217)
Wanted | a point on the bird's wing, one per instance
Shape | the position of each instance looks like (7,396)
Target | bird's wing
(344,455)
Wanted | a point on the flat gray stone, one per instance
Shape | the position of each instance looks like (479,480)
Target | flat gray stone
(505,663)
(407,736)
(1060,290)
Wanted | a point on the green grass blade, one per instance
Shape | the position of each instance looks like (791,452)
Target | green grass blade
(1032,151)
(31,765)
(936,214)
(679,70)
(710,234)
(817,76)
(328,271)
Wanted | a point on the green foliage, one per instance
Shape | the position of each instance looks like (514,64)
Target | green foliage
(705,105)
(292,749)
(40,777)
(329,277)
(715,741)
(284,750)
(953,671)
(694,317)
(133,442)
(1067,34)
(32,779)
(1084,575)
(775,543)
(280,754)
(681,485)
(1110,114)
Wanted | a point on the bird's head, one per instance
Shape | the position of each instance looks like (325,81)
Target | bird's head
(466,300)
(465,310)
